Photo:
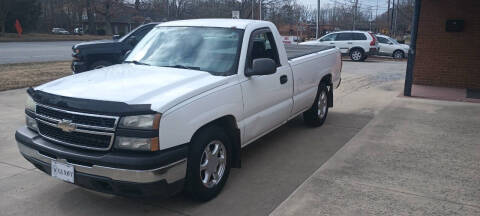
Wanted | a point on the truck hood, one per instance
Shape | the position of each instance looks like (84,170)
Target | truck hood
(161,87)
(96,43)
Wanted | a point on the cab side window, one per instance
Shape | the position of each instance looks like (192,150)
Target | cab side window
(344,37)
(262,45)
(359,36)
(330,37)
(141,33)
(382,40)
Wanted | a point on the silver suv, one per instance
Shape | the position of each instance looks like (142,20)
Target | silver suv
(356,44)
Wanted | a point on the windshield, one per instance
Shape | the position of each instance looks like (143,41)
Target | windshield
(394,41)
(129,33)
(214,50)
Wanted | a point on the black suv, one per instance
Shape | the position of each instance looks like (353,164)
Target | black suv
(97,54)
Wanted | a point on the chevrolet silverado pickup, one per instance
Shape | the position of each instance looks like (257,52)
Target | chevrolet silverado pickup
(175,115)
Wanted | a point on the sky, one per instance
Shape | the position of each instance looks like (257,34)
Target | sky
(364,4)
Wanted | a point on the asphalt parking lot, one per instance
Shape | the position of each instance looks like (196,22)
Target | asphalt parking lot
(272,167)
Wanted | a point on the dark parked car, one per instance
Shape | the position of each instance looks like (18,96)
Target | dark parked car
(97,54)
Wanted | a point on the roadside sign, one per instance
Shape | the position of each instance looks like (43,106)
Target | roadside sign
(289,39)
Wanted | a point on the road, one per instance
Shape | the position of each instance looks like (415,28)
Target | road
(20,52)
(272,167)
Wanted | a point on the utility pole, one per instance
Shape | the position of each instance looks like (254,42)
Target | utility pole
(355,14)
(393,12)
(168,9)
(260,18)
(334,13)
(388,14)
(253,6)
(317,34)
(376,18)
(395,21)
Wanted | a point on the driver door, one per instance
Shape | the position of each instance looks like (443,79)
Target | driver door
(268,98)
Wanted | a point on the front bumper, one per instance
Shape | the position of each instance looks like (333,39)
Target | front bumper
(164,180)
(78,67)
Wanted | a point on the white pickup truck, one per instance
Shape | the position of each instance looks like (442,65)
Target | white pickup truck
(177,112)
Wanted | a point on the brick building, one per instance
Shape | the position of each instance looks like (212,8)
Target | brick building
(445,51)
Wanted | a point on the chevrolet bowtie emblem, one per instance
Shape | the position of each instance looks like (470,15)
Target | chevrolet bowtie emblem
(66,125)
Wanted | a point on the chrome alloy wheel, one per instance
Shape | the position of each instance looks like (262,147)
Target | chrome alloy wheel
(356,55)
(322,104)
(213,163)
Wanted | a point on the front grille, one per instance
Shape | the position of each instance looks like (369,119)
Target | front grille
(84,130)
(78,139)
(90,120)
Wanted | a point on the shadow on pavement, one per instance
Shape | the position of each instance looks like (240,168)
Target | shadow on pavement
(272,168)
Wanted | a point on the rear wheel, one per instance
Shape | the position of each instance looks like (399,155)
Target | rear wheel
(357,55)
(317,114)
(209,162)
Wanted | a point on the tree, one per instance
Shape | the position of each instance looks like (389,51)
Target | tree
(26,11)
(92,29)
(5,8)
(107,8)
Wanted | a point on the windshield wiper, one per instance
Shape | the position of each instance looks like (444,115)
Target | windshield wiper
(183,67)
(136,62)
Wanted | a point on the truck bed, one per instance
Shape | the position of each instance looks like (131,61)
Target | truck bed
(295,51)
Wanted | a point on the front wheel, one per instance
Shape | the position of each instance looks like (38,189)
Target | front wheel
(398,55)
(208,163)
(317,114)
(357,55)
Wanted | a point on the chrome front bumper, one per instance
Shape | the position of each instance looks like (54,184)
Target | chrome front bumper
(170,173)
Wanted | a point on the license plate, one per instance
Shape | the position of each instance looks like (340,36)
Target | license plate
(63,171)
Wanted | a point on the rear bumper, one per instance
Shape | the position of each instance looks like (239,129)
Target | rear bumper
(163,180)
(372,51)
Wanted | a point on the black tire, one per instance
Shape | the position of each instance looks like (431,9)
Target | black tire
(100,64)
(312,116)
(194,187)
(398,54)
(357,55)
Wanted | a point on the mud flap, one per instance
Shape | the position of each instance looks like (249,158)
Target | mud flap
(330,96)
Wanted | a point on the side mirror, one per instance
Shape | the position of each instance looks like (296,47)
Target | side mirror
(132,40)
(262,66)
(390,43)
(116,37)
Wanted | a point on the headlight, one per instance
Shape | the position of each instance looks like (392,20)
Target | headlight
(136,144)
(30,104)
(31,123)
(140,121)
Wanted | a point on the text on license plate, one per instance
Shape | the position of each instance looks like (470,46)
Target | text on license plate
(63,171)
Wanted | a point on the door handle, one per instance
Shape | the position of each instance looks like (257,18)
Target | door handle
(349,43)
(283,79)
(332,43)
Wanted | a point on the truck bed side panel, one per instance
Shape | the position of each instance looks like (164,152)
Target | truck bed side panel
(308,70)
(296,51)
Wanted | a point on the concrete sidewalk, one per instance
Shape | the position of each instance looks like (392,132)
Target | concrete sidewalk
(416,157)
